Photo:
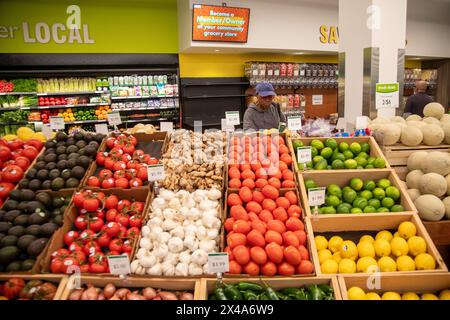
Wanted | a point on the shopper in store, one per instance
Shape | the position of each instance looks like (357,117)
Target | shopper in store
(417,101)
(265,113)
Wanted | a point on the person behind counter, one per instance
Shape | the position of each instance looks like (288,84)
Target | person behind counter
(265,114)
(417,101)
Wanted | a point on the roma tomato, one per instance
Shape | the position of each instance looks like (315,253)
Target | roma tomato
(93,181)
(121,183)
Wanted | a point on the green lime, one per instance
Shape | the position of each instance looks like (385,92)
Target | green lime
(343,208)
(334,190)
(387,202)
(328,210)
(379,163)
(331,143)
(365,147)
(383,183)
(338,164)
(332,201)
(360,203)
(317,144)
(370,160)
(397,208)
(369,185)
(309,183)
(297,144)
(363,155)
(317,159)
(350,164)
(366,194)
(321,210)
(337,156)
(361,161)
(374,203)
(359,167)
(369,166)
(356,184)
(346,189)
(309,165)
(314,152)
(348,154)
(343,146)
(321,165)
(356,210)
(382,209)
(329,167)
(393,192)
(300,166)
(378,193)
(326,152)
(355,147)
(349,195)
(369,209)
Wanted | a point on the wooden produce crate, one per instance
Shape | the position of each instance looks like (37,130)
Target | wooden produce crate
(207,286)
(352,228)
(191,285)
(375,150)
(424,283)
(323,179)
(401,171)
(398,154)
(59,281)
(439,231)
(57,241)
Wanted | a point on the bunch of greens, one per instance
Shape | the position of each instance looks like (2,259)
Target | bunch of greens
(24,85)
(14,116)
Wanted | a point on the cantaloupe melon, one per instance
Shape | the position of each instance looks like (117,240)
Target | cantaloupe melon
(445,118)
(437,162)
(414,194)
(398,119)
(434,109)
(446,203)
(413,179)
(414,117)
(381,120)
(446,128)
(388,134)
(431,120)
(433,135)
(430,207)
(411,136)
(447,178)
(433,183)
(418,124)
(415,160)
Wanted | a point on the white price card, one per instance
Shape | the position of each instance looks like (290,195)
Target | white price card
(386,95)
(304,154)
(114,118)
(119,265)
(47,130)
(166,126)
(361,122)
(155,172)
(316,196)
(218,262)
(294,123)
(101,128)
(317,99)
(341,124)
(57,123)
(225,126)
(232,118)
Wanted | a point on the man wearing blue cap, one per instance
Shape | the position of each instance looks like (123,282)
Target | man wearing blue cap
(265,114)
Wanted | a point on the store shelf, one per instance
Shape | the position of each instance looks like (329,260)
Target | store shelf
(140,109)
(67,106)
(75,122)
(17,93)
(143,97)
(214,84)
(218,96)
(14,123)
(70,93)
(11,109)
(149,119)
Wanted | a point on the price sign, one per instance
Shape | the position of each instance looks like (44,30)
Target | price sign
(341,124)
(316,196)
(166,126)
(119,265)
(304,154)
(361,122)
(57,123)
(218,262)
(225,126)
(101,128)
(294,123)
(232,118)
(155,172)
(386,95)
(47,130)
(317,99)
(114,118)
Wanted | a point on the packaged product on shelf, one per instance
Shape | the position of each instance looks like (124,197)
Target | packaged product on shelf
(290,101)
(164,79)
(163,103)
(296,101)
(262,71)
(138,91)
(150,80)
(171,103)
(290,70)
(161,90)
(283,70)
(144,80)
(153,91)
(145,91)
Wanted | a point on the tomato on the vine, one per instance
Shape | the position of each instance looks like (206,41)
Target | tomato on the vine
(123,204)
(95,224)
(119,174)
(135,182)
(112,229)
(104,240)
(93,181)
(121,183)
(81,223)
(116,245)
(123,219)
(136,221)
(70,237)
(111,215)
(111,202)
(108,183)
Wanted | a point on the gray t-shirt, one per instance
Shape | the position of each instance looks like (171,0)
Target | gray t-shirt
(256,118)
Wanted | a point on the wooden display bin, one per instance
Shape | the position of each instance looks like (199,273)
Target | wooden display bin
(353,227)
(439,231)
(323,179)
(207,286)
(375,150)
(398,154)
(57,280)
(191,285)
(424,283)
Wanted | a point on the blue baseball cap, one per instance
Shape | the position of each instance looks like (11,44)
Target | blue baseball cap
(265,89)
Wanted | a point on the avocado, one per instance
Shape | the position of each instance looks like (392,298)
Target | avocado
(37,218)
(99,137)
(31,174)
(60,144)
(72,162)
(10,216)
(34,230)
(40,158)
(10,205)
(58,220)
(15,195)
(94,144)
(40,165)
(8,254)
(47,184)
(61,150)
(57,184)
(50,166)
(23,206)
(28,195)
(57,202)
(61,136)
(8,240)
(17,231)
(84,161)
(21,220)
(61,165)
(64,208)
(5,226)
(55,212)
(72,183)
(74,155)
(44,198)
(28,264)
(47,229)
(23,184)
(90,151)
(81,152)
(72,149)
(81,144)
(2,214)
(36,247)
(66,174)
(51,157)
(54,174)
(2,235)
(14,266)
(42,174)
(70,141)
(35,184)
(50,144)
(62,157)
(24,241)
(78,172)
(87,137)
(34,206)
(49,151)
(78,136)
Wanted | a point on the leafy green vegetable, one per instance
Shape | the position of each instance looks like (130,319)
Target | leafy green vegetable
(24,85)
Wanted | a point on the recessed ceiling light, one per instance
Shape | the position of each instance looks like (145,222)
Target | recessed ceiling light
(299,53)
(217,50)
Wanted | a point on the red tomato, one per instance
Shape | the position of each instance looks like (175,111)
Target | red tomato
(69,265)
(70,237)
(126,247)
(38,144)
(108,183)
(95,224)
(104,240)
(128,148)
(56,265)
(133,232)
(30,152)
(116,245)
(15,144)
(98,257)
(119,165)
(5,189)
(119,174)
(109,163)
(93,181)
(142,174)
(91,247)
(137,206)
(101,157)
(5,153)
(123,204)
(136,182)
(12,173)
(123,219)
(136,221)
(81,223)
(111,215)
(75,247)
(110,142)
(105,174)
(131,173)
(87,235)
(79,255)
(113,229)
(121,183)
(111,202)
(91,205)
(97,268)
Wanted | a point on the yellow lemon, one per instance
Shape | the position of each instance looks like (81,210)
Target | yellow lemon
(391,296)
(387,264)
(417,245)
(329,266)
(356,293)
(321,242)
(405,263)
(384,235)
(399,247)
(425,261)
(429,296)
(410,296)
(366,249)
(367,264)
(347,266)
(382,247)
(372,296)
(444,295)
(337,257)
(396,234)
(334,244)
(324,255)
(407,229)
(367,238)
(349,250)
(24,133)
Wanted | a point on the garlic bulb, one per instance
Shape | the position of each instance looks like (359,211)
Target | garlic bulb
(191,243)
(185,256)
(156,270)
(145,231)
(207,245)
(161,251)
(148,261)
(178,232)
(158,203)
(164,237)
(145,243)
(166,194)
(175,245)
(214,194)
(182,269)
(195,269)
(174,203)
(169,213)
(199,257)
(168,269)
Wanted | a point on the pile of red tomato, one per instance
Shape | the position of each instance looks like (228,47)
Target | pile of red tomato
(125,166)
(105,225)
